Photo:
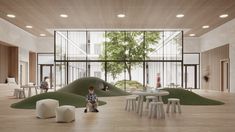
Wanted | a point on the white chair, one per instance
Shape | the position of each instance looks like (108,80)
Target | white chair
(173,102)
(65,113)
(46,108)
(149,99)
(130,103)
(156,110)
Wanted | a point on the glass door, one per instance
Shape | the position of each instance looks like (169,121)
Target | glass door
(47,71)
(191,76)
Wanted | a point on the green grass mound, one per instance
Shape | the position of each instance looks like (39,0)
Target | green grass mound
(63,98)
(129,84)
(80,87)
(188,97)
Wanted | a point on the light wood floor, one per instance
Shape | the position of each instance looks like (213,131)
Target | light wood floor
(113,118)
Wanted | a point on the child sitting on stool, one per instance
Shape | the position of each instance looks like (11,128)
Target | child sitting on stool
(92,101)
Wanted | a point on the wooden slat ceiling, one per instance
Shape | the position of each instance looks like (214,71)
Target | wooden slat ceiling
(101,14)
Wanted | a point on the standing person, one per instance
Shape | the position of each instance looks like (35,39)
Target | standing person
(92,101)
(44,84)
(158,80)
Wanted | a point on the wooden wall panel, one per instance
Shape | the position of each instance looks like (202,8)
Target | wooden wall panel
(3,63)
(210,63)
(32,66)
(13,62)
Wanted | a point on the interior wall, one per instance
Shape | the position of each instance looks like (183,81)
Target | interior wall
(45,44)
(13,62)
(8,62)
(32,67)
(3,63)
(16,36)
(224,34)
(192,45)
(210,66)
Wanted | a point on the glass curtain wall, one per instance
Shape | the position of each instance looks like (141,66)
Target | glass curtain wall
(127,59)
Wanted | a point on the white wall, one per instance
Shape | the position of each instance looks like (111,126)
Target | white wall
(224,34)
(192,44)
(24,57)
(16,36)
(45,44)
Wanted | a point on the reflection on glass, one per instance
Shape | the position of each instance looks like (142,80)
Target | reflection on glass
(154,74)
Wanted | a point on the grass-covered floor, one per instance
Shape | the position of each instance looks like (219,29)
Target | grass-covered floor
(74,93)
(189,98)
(63,98)
(80,87)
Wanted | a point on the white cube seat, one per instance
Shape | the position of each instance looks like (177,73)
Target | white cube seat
(46,108)
(65,113)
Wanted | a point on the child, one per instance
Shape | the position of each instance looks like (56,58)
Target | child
(92,100)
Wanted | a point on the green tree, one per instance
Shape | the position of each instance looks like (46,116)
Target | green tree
(127,46)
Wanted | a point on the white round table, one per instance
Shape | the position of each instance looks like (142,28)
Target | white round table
(142,94)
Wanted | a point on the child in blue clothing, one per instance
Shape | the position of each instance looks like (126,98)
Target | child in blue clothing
(92,101)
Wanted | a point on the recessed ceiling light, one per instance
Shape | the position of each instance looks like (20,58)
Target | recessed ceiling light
(192,35)
(28,26)
(205,26)
(223,16)
(121,15)
(11,15)
(42,34)
(180,15)
(64,15)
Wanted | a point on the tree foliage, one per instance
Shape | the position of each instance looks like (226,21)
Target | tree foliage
(127,46)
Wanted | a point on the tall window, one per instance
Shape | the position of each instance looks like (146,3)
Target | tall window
(127,59)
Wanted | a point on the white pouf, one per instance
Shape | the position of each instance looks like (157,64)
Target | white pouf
(65,113)
(46,108)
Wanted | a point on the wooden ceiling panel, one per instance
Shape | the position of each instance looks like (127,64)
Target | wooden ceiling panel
(101,14)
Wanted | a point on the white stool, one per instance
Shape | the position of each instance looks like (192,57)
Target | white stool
(149,99)
(65,113)
(19,93)
(156,110)
(172,102)
(130,103)
(46,108)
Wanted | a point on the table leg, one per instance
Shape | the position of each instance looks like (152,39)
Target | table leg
(36,92)
(29,92)
(160,98)
(141,105)
(138,105)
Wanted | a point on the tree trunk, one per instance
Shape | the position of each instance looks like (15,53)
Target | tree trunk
(129,71)
(128,68)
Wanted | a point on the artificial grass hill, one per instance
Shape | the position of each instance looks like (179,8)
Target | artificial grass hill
(63,98)
(80,87)
(73,93)
(188,98)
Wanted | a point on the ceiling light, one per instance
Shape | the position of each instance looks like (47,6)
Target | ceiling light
(28,26)
(205,26)
(63,15)
(223,16)
(11,15)
(192,35)
(42,35)
(180,15)
(121,15)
